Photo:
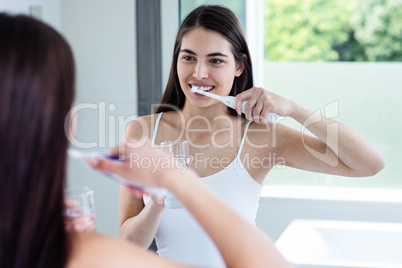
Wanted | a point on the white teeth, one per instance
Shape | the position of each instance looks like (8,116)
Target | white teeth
(194,88)
(205,88)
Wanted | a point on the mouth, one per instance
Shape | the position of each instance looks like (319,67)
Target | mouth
(203,88)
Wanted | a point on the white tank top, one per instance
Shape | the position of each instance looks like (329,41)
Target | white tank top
(179,237)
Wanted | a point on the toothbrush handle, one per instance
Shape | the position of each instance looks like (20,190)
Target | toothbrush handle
(83,157)
(270,118)
(150,190)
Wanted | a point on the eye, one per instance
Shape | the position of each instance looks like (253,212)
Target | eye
(216,61)
(188,58)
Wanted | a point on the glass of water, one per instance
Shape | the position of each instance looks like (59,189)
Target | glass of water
(80,209)
(180,151)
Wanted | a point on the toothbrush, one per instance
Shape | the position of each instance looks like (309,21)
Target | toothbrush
(229,101)
(83,157)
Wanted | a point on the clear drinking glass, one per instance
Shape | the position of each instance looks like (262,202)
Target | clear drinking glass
(80,209)
(180,151)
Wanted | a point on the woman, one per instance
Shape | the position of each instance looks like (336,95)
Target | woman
(37,89)
(232,154)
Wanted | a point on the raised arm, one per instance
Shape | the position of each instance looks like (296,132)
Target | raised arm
(240,243)
(338,150)
(335,149)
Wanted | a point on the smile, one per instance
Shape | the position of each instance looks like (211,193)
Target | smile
(203,88)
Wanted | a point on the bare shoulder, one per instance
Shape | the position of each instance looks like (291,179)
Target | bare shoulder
(173,119)
(141,127)
(95,250)
(171,126)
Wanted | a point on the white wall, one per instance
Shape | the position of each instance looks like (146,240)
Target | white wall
(50,9)
(102,36)
(170,26)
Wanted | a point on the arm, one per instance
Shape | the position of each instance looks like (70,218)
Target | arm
(336,149)
(95,250)
(240,243)
(138,223)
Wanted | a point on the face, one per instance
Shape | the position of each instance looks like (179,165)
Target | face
(206,60)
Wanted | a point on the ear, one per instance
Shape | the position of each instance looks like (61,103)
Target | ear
(240,68)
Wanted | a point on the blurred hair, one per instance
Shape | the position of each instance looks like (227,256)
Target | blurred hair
(37,77)
(221,20)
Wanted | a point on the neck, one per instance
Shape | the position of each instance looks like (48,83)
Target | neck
(210,119)
(209,114)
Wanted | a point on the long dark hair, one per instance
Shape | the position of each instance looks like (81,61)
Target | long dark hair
(219,19)
(36,92)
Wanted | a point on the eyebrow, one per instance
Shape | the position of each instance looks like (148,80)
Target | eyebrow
(215,54)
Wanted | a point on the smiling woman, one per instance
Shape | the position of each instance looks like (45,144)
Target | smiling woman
(210,52)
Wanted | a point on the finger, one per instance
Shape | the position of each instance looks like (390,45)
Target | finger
(69,203)
(252,102)
(238,105)
(245,95)
(263,105)
(137,193)
(79,226)
(251,106)
(257,116)
(158,200)
(190,160)
(106,165)
(268,108)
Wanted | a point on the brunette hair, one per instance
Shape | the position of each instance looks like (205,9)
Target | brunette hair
(36,93)
(221,20)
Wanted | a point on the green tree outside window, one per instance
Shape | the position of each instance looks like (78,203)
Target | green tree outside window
(329,30)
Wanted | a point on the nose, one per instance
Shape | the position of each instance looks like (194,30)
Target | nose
(200,71)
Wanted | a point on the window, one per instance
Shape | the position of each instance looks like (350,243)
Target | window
(343,30)
(347,53)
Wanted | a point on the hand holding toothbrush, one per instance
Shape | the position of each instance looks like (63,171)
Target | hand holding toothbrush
(261,103)
(143,165)
(93,158)
(157,198)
